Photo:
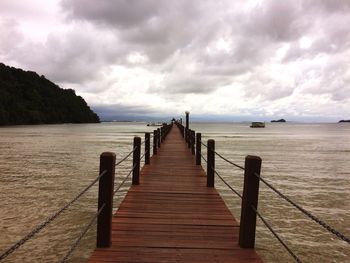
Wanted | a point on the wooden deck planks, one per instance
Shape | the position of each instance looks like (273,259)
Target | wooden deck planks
(172,216)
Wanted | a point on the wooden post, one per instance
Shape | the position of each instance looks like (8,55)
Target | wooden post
(136,161)
(155,144)
(105,197)
(250,198)
(187,120)
(193,140)
(189,132)
(158,138)
(198,148)
(210,163)
(147,147)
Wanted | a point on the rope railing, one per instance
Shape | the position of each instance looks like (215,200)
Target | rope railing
(108,155)
(124,180)
(254,209)
(235,191)
(301,209)
(276,235)
(256,172)
(126,157)
(81,236)
(143,155)
(227,184)
(305,212)
(38,228)
(253,168)
(228,161)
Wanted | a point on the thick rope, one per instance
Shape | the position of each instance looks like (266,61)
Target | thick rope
(305,212)
(122,183)
(38,228)
(229,186)
(126,157)
(276,235)
(225,159)
(83,233)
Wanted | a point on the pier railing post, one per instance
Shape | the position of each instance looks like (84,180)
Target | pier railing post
(198,148)
(105,198)
(155,144)
(210,163)
(136,161)
(147,147)
(187,120)
(193,141)
(158,139)
(189,132)
(250,198)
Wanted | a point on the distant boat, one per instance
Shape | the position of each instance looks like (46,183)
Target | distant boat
(280,120)
(257,124)
(154,124)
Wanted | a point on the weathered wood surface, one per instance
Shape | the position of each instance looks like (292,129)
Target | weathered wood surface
(171,216)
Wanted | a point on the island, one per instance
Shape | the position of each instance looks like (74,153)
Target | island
(343,121)
(280,120)
(27,98)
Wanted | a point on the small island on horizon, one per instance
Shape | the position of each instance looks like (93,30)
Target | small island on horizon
(343,121)
(27,98)
(280,120)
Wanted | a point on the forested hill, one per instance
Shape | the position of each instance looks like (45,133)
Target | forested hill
(27,98)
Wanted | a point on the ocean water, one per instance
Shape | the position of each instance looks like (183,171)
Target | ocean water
(43,167)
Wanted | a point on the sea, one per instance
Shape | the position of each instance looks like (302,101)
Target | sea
(42,167)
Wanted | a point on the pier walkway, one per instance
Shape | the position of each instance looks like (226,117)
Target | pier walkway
(172,216)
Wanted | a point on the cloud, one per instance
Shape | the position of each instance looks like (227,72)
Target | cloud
(122,112)
(10,36)
(199,55)
(120,13)
(277,20)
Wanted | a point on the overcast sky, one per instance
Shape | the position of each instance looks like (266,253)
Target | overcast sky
(257,59)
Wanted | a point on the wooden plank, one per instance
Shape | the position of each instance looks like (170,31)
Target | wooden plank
(171,216)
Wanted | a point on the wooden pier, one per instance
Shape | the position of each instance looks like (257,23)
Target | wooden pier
(172,212)
(172,216)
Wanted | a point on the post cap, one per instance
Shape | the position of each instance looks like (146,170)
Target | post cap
(253,157)
(104,154)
